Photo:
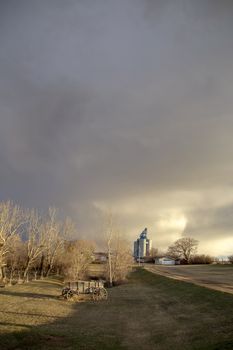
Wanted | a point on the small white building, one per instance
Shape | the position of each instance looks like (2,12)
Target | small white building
(165,260)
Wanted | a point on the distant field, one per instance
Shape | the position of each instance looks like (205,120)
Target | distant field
(150,312)
(219,277)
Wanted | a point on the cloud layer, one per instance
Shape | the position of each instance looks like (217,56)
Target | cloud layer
(125,105)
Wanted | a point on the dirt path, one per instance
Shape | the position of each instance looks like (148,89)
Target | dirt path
(210,276)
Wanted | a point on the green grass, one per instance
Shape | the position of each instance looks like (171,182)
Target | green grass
(149,312)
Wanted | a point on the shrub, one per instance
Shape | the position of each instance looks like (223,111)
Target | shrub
(202,259)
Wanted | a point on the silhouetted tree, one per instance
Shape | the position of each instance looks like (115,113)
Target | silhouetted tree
(183,248)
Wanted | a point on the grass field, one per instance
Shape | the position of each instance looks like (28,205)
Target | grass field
(149,312)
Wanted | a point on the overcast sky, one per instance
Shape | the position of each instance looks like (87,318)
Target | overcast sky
(124,105)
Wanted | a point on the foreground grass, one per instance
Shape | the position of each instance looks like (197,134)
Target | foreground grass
(150,312)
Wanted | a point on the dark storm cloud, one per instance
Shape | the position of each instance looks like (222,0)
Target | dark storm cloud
(213,220)
(111,103)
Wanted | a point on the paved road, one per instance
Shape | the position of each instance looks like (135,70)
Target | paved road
(216,277)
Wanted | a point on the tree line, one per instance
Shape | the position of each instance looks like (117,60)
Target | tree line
(33,245)
(185,250)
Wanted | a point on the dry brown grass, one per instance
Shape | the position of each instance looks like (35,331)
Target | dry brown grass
(27,305)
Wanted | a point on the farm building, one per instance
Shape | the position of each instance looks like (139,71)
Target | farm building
(166,260)
(142,246)
(100,257)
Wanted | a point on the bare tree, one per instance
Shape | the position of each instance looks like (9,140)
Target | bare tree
(15,257)
(77,257)
(119,252)
(11,222)
(35,242)
(69,232)
(183,248)
(230,258)
(109,231)
(55,234)
(121,259)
